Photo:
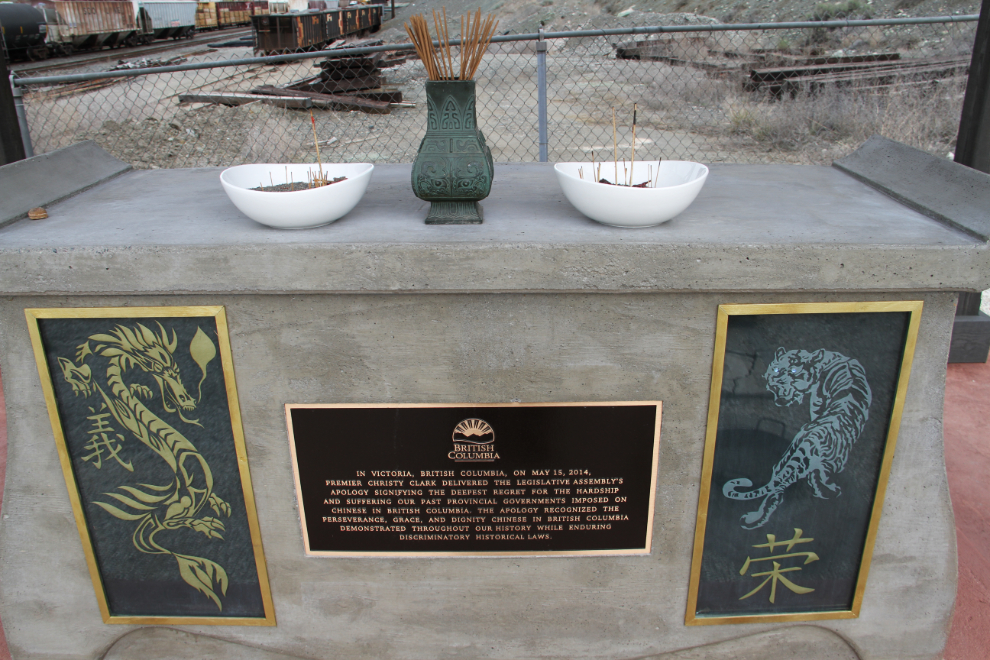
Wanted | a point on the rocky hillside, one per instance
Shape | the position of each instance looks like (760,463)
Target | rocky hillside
(522,16)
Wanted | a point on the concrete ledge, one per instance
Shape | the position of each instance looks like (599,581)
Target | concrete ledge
(951,193)
(52,177)
(782,644)
(970,339)
(165,231)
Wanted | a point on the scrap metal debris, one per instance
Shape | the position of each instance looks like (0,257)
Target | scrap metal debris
(145,63)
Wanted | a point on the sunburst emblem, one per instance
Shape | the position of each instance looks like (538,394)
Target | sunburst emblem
(475,431)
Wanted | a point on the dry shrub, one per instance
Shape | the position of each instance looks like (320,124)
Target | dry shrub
(819,126)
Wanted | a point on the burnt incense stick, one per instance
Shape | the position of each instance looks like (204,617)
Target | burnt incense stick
(615,147)
(317,142)
(632,161)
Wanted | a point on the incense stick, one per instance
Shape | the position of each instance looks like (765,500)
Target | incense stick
(317,142)
(446,38)
(632,161)
(476,35)
(615,147)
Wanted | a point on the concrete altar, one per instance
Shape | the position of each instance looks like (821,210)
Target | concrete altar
(537,304)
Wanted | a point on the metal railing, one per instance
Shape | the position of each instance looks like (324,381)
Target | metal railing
(547,96)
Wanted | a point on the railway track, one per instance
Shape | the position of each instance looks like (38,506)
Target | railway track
(113,55)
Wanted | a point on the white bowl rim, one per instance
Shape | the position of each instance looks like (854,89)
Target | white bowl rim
(577,178)
(370,167)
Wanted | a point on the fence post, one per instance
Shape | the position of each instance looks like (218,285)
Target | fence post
(22,121)
(973,150)
(11,146)
(541,92)
(973,139)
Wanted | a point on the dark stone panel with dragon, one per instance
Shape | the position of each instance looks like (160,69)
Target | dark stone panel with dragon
(144,411)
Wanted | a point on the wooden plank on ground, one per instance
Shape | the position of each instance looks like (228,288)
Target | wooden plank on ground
(296,103)
(335,86)
(386,94)
(781,73)
(866,79)
(329,101)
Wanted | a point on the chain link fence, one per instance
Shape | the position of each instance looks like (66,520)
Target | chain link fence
(694,86)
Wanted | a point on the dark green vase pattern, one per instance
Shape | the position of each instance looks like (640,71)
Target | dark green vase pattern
(453,169)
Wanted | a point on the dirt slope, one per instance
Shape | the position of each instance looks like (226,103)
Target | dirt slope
(525,16)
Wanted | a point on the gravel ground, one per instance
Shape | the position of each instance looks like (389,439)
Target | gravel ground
(684,112)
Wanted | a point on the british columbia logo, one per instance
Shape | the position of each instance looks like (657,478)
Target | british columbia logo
(474,442)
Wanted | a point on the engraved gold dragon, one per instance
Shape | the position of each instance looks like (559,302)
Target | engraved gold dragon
(185,502)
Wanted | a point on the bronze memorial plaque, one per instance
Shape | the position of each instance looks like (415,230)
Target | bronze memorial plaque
(465,479)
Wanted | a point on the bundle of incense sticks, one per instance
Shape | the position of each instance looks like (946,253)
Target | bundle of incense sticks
(476,34)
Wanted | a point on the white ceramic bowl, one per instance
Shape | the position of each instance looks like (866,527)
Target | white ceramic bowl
(301,209)
(678,183)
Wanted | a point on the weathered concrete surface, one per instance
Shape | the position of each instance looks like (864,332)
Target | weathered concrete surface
(537,304)
(791,642)
(52,177)
(952,193)
(753,227)
(485,348)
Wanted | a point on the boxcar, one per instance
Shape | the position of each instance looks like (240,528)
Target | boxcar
(169,19)
(299,32)
(289,33)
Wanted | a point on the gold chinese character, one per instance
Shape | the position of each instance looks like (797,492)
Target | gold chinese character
(776,574)
(99,423)
(100,441)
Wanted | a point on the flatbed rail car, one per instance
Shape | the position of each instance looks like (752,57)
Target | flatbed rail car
(218,15)
(277,34)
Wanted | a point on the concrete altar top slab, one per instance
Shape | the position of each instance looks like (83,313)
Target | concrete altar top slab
(49,178)
(753,228)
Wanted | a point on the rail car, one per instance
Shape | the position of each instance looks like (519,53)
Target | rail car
(217,15)
(63,26)
(165,19)
(95,24)
(24,29)
(60,27)
(68,25)
(276,34)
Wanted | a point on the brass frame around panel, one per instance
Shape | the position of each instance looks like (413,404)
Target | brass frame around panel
(913,307)
(515,553)
(218,313)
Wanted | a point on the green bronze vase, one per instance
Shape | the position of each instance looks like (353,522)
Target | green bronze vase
(453,168)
